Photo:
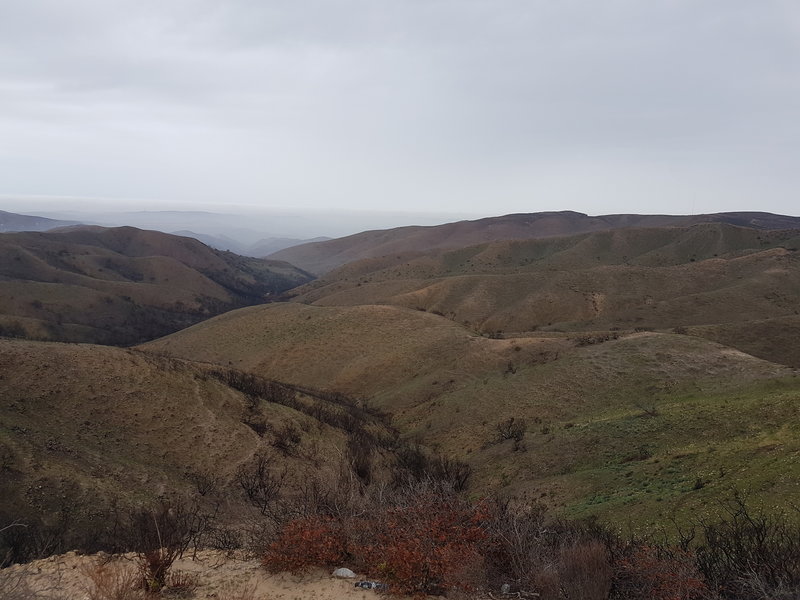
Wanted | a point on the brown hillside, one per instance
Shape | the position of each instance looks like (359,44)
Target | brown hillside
(624,279)
(124,285)
(85,428)
(321,257)
(606,413)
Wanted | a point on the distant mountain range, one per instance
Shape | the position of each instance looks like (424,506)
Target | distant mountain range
(321,257)
(260,248)
(14,222)
(247,242)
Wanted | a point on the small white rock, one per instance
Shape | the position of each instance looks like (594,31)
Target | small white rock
(342,572)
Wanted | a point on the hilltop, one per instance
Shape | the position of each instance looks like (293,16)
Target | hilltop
(321,257)
(124,285)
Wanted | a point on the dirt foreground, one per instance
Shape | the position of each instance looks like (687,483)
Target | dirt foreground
(213,575)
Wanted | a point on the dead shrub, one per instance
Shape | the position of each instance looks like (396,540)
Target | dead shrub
(585,570)
(749,548)
(113,581)
(413,467)
(260,484)
(161,535)
(519,547)
(244,592)
(451,472)
(511,429)
(287,438)
(180,584)
(360,449)
(658,573)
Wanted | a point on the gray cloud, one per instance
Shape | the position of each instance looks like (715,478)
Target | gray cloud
(483,106)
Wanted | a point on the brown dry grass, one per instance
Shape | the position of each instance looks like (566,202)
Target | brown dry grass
(625,279)
(112,581)
(84,426)
(321,257)
(587,448)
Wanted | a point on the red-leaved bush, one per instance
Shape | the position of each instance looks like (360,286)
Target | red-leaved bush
(427,546)
(306,542)
(422,539)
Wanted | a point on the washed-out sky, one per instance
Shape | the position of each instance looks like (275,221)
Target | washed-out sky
(473,107)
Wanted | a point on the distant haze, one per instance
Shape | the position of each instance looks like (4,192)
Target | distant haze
(246,224)
(456,107)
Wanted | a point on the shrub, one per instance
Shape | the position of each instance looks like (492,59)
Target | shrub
(658,573)
(426,542)
(161,535)
(585,570)
(112,581)
(306,542)
(511,429)
(747,549)
(287,438)
(360,448)
(429,545)
(260,485)
(181,584)
(519,546)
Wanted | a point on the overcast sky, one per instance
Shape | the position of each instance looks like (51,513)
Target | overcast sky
(477,107)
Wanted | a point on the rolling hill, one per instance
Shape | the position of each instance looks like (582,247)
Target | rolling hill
(88,432)
(124,285)
(321,257)
(714,278)
(628,426)
(636,374)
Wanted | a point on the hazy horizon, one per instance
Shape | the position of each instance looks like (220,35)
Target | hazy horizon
(461,108)
(249,223)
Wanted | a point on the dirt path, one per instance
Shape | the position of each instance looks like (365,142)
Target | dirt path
(67,577)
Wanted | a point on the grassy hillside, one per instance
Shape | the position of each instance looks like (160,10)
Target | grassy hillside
(323,257)
(124,285)
(87,431)
(630,426)
(704,277)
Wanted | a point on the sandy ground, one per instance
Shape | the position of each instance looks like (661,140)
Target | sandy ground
(67,577)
